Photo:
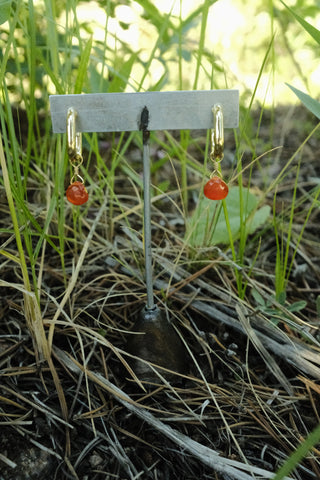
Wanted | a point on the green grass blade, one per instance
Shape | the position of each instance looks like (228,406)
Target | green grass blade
(314,32)
(14,218)
(53,36)
(160,42)
(204,21)
(83,67)
(295,458)
(290,224)
(31,110)
(54,78)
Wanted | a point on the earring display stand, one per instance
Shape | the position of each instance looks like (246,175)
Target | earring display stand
(145,112)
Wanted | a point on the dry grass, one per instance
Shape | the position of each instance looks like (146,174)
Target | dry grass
(250,390)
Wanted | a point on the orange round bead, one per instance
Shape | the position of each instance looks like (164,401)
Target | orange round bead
(216,189)
(77,193)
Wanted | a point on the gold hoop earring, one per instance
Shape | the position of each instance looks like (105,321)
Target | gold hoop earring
(76,192)
(216,188)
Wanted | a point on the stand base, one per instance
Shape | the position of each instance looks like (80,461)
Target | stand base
(158,344)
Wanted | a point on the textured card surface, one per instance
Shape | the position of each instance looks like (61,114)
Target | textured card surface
(117,112)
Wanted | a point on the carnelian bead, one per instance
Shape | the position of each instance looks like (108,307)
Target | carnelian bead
(77,193)
(216,189)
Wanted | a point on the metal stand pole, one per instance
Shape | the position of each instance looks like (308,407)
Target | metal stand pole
(159,343)
(147,209)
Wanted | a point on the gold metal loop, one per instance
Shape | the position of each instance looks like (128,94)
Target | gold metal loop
(76,174)
(76,177)
(76,161)
(217,134)
(74,137)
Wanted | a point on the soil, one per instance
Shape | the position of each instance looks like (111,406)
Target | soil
(94,412)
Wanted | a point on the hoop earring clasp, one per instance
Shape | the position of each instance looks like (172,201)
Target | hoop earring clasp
(74,137)
(217,134)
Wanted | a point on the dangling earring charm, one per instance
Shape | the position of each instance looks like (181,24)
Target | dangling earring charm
(216,188)
(76,192)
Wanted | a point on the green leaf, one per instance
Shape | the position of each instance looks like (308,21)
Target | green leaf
(297,306)
(121,75)
(258,218)
(97,82)
(207,226)
(5,7)
(308,101)
(258,298)
(314,32)
(157,19)
(163,186)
